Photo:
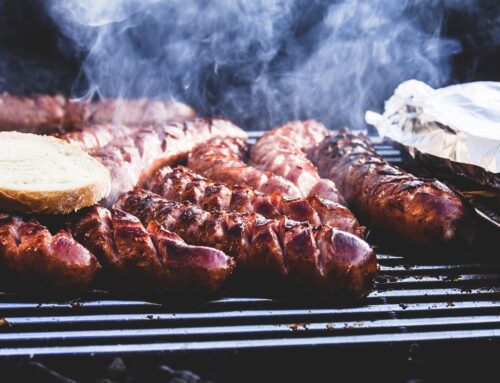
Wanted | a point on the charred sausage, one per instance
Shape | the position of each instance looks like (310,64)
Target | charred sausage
(149,259)
(182,184)
(320,260)
(41,261)
(46,114)
(133,154)
(415,211)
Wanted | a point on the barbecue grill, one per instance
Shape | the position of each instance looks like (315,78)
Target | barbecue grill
(415,302)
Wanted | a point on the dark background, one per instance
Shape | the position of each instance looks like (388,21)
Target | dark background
(38,58)
(35,57)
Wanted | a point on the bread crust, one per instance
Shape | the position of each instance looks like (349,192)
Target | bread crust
(57,201)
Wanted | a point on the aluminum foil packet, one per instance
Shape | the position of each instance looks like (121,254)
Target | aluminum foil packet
(456,128)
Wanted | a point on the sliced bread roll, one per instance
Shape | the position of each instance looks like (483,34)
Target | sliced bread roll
(42,174)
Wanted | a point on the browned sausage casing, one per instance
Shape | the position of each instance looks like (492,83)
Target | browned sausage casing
(133,154)
(46,113)
(80,114)
(222,160)
(35,114)
(320,260)
(416,211)
(181,184)
(283,151)
(149,259)
(41,261)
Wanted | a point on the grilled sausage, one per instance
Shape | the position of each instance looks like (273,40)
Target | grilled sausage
(222,160)
(283,151)
(95,136)
(98,124)
(36,114)
(53,114)
(41,261)
(82,114)
(150,260)
(320,260)
(181,184)
(415,211)
(134,154)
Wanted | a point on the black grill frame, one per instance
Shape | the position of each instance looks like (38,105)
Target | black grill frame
(429,301)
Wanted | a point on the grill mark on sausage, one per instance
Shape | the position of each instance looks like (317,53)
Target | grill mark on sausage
(271,242)
(182,184)
(414,210)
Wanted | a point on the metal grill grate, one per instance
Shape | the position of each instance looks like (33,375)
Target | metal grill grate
(411,303)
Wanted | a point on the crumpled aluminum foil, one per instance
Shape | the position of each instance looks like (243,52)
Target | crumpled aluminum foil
(456,127)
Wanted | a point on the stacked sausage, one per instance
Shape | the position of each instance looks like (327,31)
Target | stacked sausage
(223,160)
(275,233)
(412,210)
(314,260)
(182,184)
(273,220)
(38,259)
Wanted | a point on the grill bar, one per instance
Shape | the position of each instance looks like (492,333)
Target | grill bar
(423,302)
(284,329)
(231,345)
(291,315)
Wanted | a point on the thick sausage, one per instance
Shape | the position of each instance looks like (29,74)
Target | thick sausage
(182,184)
(415,211)
(46,114)
(149,259)
(319,260)
(40,261)
(283,151)
(222,160)
(134,154)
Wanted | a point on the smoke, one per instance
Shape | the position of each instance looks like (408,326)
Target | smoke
(258,62)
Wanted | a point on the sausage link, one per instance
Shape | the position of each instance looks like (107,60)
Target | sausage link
(181,184)
(149,259)
(320,260)
(414,210)
(41,261)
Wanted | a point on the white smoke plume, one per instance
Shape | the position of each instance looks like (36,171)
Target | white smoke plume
(259,62)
